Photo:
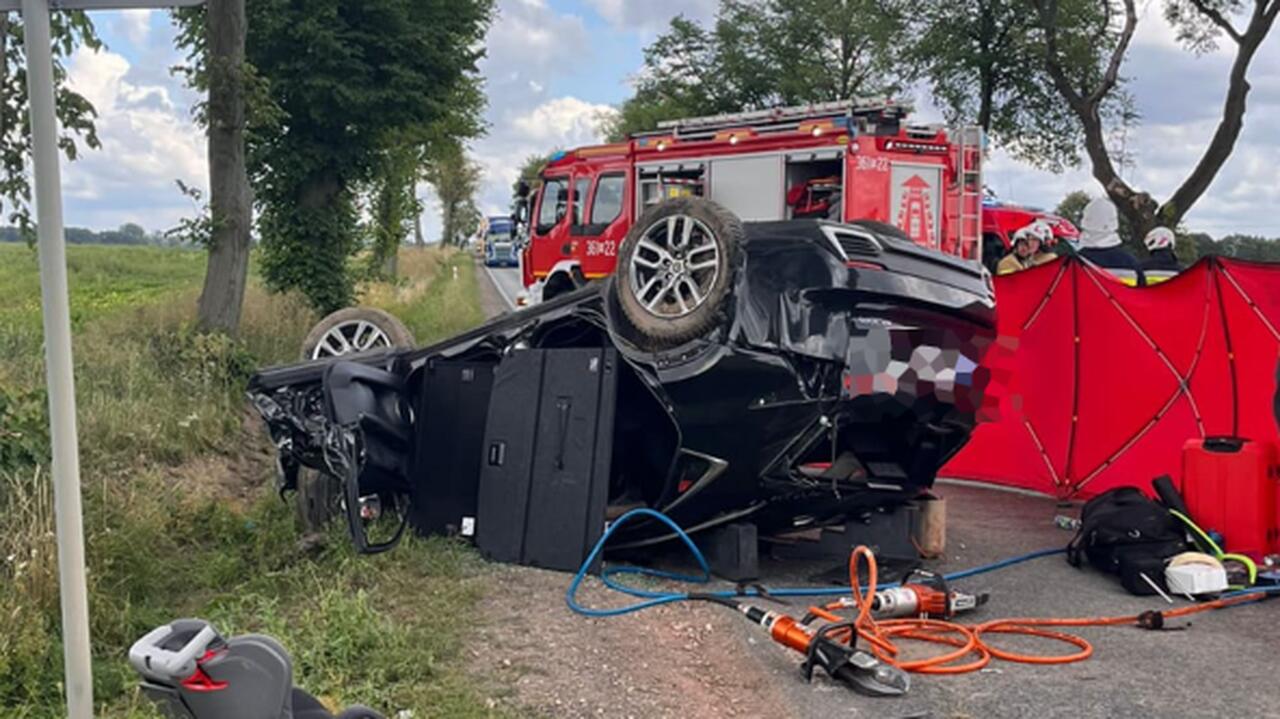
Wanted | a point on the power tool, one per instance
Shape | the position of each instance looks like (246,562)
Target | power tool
(923,594)
(857,669)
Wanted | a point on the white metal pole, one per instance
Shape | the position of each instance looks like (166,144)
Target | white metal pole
(58,364)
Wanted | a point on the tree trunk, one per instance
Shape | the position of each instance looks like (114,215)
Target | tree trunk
(1229,126)
(222,299)
(4,74)
(418,239)
(986,101)
(447,219)
(1140,212)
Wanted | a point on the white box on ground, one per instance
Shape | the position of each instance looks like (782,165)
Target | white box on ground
(1196,579)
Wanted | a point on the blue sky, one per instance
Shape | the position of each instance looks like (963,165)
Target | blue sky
(555,66)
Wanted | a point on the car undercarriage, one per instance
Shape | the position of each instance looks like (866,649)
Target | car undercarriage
(840,368)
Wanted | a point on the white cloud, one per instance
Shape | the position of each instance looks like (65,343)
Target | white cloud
(563,122)
(530,47)
(528,43)
(148,141)
(135,25)
(651,15)
(560,123)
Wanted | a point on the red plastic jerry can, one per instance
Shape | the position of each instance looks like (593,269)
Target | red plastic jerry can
(1229,485)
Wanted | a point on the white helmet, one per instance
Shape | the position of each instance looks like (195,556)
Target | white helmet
(1160,238)
(1099,228)
(1026,233)
(1043,230)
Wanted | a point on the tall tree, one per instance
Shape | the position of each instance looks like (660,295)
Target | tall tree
(763,53)
(216,35)
(76,115)
(981,60)
(455,178)
(394,206)
(334,84)
(1073,33)
(346,76)
(817,50)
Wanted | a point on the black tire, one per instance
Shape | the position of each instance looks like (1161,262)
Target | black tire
(317,501)
(561,283)
(665,320)
(393,332)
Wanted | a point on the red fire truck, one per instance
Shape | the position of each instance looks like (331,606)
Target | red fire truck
(843,161)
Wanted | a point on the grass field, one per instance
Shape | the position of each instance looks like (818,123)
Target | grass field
(180,516)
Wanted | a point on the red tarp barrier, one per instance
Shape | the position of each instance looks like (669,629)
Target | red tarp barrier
(1107,382)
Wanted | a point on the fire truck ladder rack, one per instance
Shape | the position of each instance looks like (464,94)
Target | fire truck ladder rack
(970,149)
(780,119)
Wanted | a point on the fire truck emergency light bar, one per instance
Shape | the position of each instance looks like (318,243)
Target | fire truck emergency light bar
(782,116)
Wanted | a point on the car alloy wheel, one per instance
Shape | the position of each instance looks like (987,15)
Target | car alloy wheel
(675,266)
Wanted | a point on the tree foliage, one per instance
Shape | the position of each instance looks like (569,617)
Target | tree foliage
(980,59)
(345,86)
(394,207)
(1086,43)
(531,173)
(347,77)
(764,53)
(1072,206)
(455,177)
(1240,247)
(70,30)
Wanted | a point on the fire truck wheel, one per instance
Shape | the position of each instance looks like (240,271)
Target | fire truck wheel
(675,270)
(355,329)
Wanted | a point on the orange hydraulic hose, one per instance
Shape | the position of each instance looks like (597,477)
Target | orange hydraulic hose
(967,640)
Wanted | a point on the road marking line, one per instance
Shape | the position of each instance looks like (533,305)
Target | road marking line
(511,303)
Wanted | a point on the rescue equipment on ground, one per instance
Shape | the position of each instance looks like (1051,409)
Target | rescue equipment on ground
(1229,485)
(191,672)
(830,639)
(1123,532)
(923,594)
(1195,574)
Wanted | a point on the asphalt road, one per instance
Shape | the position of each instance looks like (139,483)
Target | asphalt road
(507,282)
(1222,664)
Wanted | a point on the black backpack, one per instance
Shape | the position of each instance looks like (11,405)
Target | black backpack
(1124,532)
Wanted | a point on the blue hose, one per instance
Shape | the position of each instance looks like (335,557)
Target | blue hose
(649,598)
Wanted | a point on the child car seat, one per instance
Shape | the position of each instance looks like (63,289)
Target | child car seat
(193,673)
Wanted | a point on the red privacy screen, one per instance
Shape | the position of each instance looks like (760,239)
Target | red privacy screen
(1106,382)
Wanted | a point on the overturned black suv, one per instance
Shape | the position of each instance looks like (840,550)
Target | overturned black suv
(784,373)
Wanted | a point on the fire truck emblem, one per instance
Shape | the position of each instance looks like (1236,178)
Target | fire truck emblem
(915,215)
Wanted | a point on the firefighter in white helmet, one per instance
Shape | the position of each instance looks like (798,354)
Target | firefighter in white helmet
(1163,262)
(1100,242)
(1048,242)
(1026,252)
